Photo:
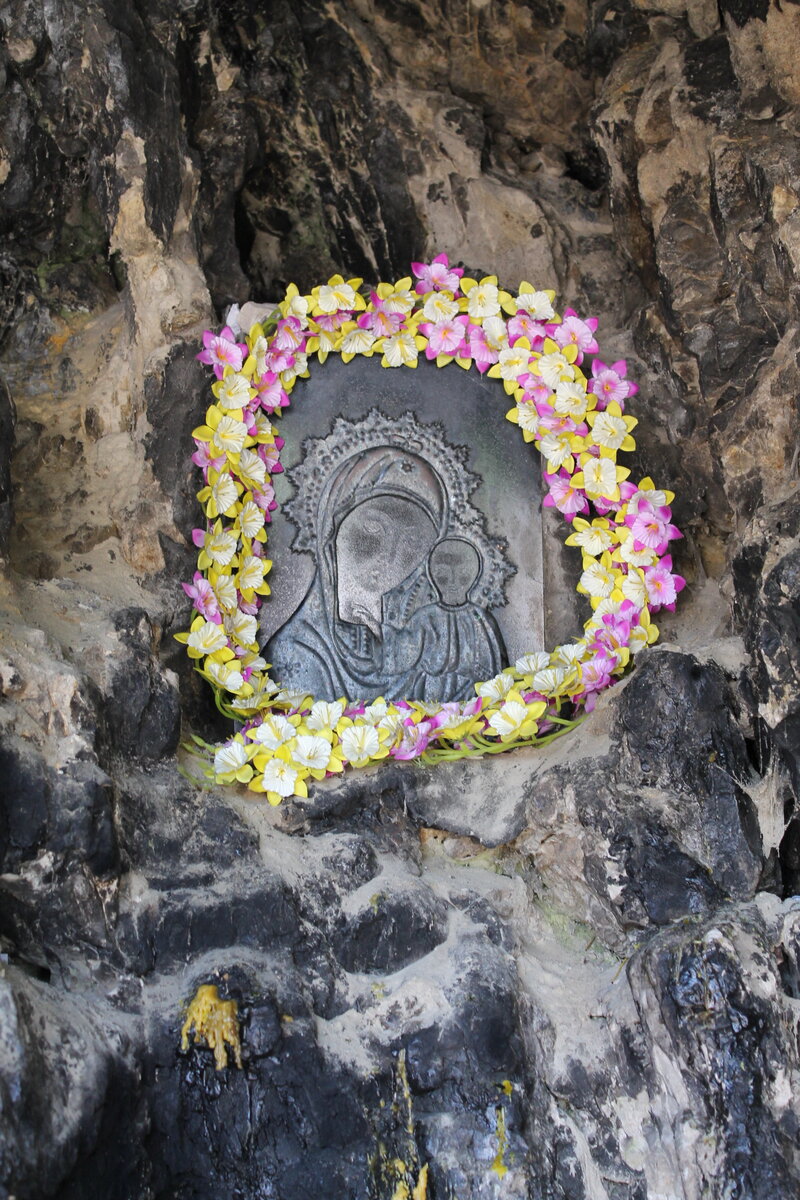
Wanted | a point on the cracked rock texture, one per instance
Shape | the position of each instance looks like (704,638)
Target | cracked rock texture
(566,975)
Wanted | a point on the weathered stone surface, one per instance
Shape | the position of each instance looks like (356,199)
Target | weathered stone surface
(579,965)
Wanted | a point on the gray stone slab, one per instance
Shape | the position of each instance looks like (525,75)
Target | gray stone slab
(407,549)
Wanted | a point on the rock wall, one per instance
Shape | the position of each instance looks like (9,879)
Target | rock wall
(571,974)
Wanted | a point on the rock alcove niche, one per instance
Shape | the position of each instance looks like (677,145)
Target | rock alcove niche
(567,973)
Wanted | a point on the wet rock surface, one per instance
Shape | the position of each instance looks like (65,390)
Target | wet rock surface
(569,974)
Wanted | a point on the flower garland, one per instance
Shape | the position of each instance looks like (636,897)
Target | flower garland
(576,420)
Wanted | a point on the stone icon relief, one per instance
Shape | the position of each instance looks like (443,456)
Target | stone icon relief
(407,576)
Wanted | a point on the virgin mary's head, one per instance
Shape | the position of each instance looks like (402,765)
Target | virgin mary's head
(378,518)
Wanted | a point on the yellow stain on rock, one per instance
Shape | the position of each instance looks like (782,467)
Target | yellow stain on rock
(214,1021)
(498,1164)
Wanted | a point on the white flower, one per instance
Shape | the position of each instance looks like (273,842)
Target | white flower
(513,362)
(273,731)
(357,341)
(234,392)
(549,680)
(225,591)
(251,519)
(556,449)
(325,714)
(497,688)
(535,661)
(251,469)
(569,653)
(553,368)
(312,751)
(609,431)
(221,547)
(538,304)
(527,416)
(227,675)
(251,573)
(208,638)
(634,588)
(509,718)
(373,712)
(495,331)
(229,436)
(401,300)
(600,478)
(440,307)
(224,493)
(229,758)
(636,558)
(484,300)
(360,743)
(242,627)
(597,580)
(331,298)
(279,777)
(400,349)
(593,540)
(571,400)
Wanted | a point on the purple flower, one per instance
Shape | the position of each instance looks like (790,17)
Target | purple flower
(437,276)
(662,585)
(523,325)
(479,350)
(609,383)
(651,527)
(202,595)
(562,495)
(202,458)
(221,351)
(573,330)
(270,394)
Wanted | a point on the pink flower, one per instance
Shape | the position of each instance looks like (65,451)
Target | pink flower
(202,458)
(380,322)
(221,351)
(437,276)
(562,495)
(616,631)
(265,500)
(444,337)
(479,350)
(270,456)
(596,673)
(555,423)
(524,326)
(289,335)
(202,595)
(250,607)
(269,393)
(414,741)
(662,586)
(609,383)
(278,360)
(650,527)
(330,322)
(536,390)
(573,330)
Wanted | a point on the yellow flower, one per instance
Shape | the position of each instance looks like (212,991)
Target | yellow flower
(293,304)
(555,365)
(233,391)
(250,577)
(538,304)
(440,306)
(497,688)
(219,547)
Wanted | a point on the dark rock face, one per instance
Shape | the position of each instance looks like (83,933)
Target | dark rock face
(569,974)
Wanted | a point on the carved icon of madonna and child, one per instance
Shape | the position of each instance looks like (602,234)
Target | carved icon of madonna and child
(406,573)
